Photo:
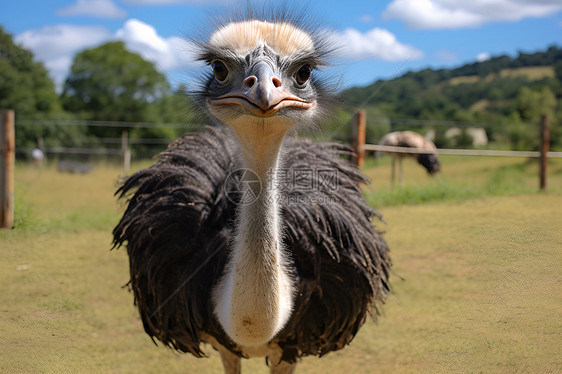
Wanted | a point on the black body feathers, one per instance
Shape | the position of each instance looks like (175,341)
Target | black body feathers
(179,225)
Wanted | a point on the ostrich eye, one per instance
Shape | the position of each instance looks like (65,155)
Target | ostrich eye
(303,74)
(220,70)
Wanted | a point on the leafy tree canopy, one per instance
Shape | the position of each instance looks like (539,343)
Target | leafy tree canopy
(111,83)
(25,85)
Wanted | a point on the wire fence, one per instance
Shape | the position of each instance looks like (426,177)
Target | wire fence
(460,152)
(116,146)
(120,147)
(99,146)
(360,147)
(64,122)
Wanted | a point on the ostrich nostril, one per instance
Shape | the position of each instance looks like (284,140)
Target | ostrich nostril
(250,81)
(276,82)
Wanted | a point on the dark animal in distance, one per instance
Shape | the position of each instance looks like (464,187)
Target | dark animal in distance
(73,167)
(414,141)
(258,276)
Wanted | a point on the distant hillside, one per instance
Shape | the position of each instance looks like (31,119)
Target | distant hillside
(508,93)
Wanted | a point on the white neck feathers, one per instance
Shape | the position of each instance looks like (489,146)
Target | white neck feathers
(254,298)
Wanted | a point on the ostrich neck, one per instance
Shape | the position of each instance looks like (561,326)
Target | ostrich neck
(257,235)
(254,298)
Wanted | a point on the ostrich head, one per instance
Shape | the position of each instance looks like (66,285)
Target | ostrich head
(430,162)
(263,76)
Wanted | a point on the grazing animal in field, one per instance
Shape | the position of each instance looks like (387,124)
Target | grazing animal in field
(415,141)
(240,236)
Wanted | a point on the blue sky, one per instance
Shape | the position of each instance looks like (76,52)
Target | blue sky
(380,39)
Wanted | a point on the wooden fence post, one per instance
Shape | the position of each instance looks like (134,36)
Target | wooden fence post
(7,160)
(545,145)
(358,136)
(126,152)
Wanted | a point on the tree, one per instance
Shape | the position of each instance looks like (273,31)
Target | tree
(531,104)
(378,125)
(25,85)
(111,83)
(558,70)
(26,88)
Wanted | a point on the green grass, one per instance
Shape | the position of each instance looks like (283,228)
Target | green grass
(480,263)
(462,178)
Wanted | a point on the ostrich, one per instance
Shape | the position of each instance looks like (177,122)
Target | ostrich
(247,238)
(413,140)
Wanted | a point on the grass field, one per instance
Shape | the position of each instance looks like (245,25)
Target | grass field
(477,284)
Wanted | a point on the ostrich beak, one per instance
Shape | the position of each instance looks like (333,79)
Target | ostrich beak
(262,94)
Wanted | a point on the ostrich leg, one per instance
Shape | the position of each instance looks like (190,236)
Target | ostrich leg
(400,173)
(280,367)
(392,172)
(230,362)
(283,368)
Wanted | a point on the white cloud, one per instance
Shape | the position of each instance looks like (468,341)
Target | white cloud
(167,53)
(483,56)
(374,44)
(56,46)
(169,2)
(93,8)
(452,14)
